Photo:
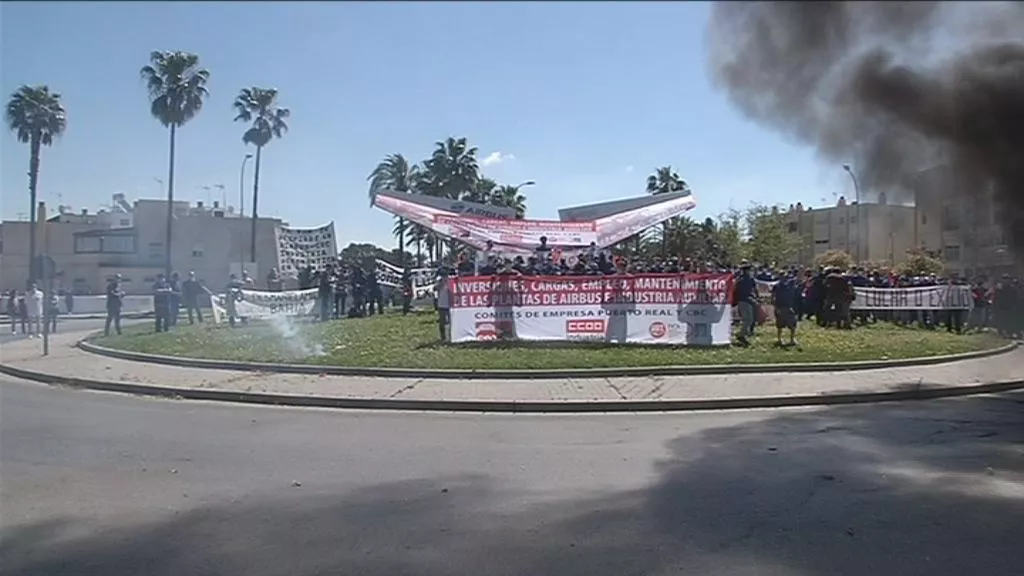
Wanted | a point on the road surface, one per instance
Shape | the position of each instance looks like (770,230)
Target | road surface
(109,485)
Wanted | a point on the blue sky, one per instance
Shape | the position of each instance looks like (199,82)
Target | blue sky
(585,99)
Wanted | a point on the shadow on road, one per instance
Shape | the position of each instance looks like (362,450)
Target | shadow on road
(915,488)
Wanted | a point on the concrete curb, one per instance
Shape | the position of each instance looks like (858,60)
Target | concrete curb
(706,370)
(515,407)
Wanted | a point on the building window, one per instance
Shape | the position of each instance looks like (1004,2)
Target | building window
(950,219)
(104,244)
(126,222)
(842,220)
(197,251)
(156,250)
(924,219)
(821,242)
(853,219)
(952,253)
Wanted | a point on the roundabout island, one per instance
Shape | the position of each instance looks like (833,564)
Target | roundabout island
(410,342)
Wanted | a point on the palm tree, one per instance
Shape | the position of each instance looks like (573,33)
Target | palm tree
(665,181)
(37,117)
(177,88)
(452,171)
(510,197)
(259,106)
(396,174)
(482,192)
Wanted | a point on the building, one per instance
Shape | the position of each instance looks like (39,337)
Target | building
(878,232)
(88,248)
(963,228)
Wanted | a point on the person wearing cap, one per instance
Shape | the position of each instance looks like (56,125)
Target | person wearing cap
(115,298)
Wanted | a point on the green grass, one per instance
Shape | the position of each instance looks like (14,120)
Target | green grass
(411,342)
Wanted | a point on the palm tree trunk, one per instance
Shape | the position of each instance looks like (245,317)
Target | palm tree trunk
(33,181)
(419,252)
(255,200)
(401,240)
(664,239)
(170,207)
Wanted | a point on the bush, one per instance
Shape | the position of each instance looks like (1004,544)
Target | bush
(919,263)
(835,259)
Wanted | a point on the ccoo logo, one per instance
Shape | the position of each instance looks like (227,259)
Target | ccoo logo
(584,326)
(658,329)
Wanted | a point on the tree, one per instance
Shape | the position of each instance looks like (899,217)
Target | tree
(509,197)
(259,106)
(452,171)
(665,181)
(768,237)
(920,263)
(177,88)
(37,118)
(482,192)
(364,255)
(834,259)
(729,237)
(396,174)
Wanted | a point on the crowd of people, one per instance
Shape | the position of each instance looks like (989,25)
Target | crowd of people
(794,294)
(33,311)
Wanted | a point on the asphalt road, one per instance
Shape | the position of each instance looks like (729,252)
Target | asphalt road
(108,485)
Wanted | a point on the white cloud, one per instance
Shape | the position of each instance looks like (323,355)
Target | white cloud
(629,169)
(497,158)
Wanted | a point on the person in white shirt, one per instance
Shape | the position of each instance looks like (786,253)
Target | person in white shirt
(34,309)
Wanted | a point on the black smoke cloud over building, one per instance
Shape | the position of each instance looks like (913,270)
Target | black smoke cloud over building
(894,88)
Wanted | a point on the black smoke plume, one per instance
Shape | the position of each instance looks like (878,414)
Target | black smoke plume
(893,88)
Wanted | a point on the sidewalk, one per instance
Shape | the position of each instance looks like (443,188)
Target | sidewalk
(69,365)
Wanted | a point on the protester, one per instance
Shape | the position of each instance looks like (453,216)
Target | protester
(115,298)
(191,289)
(746,303)
(444,317)
(162,303)
(785,293)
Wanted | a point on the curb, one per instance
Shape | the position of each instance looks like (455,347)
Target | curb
(514,407)
(703,370)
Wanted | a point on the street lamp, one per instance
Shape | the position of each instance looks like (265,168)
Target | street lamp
(856,191)
(241,206)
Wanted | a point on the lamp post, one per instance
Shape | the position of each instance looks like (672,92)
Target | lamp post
(241,208)
(856,191)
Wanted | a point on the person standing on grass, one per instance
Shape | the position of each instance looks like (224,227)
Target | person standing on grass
(115,297)
(162,303)
(444,302)
(746,302)
(190,291)
(174,310)
(784,299)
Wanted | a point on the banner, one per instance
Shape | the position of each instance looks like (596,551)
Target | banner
(917,298)
(944,297)
(423,279)
(521,236)
(679,309)
(618,227)
(523,233)
(301,247)
(259,305)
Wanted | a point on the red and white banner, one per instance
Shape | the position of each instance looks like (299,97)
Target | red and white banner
(526,233)
(679,309)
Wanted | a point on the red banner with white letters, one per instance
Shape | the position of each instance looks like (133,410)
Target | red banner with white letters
(678,309)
